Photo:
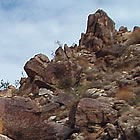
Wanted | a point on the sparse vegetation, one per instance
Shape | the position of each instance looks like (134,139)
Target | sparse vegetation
(65,82)
(17,83)
(80,90)
(59,43)
(4,85)
(125,94)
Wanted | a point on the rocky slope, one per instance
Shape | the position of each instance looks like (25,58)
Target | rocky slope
(88,91)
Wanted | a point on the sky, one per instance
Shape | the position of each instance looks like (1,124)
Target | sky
(29,27)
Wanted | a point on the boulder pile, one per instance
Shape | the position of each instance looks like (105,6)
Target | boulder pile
(86,92)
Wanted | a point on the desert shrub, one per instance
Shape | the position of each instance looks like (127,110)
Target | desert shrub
(125,94)
(138,104)
(4,85)
(81,89)
(130,94)
(65,82)
(17,83)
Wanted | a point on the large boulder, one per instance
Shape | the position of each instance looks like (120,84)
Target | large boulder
(23,119)
(100,31)
(99,19)
(50,75)
(9,92)
(91,42)
(94,111)
(36,65)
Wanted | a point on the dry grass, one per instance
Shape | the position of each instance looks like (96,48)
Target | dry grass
(125,94)
(131,94)
(83,62)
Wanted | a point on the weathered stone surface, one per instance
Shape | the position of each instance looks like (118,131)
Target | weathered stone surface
(28,86)
(9,92)
(63,75)
(129,122)
(130,57)
(36,65)
(19,117)
(95,93)
(41,83)
(64,99)
(92,111)
(53,74)
(100,34)
(79,90)
(133,37)
(68,51)
(61,131)
(36,70)
(60,55)
(91,42)
(100,17)
(116,50)
(101,26)
(22,119)
(48,108)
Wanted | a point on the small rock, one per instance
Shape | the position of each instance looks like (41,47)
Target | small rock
(123,29)
(44,91)
(111,130)
(95,93)
(3,137)
(77,136)
(52,118)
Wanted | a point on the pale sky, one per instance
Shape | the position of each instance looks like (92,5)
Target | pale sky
(29,27)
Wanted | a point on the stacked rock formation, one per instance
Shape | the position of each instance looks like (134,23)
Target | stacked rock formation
(88,91)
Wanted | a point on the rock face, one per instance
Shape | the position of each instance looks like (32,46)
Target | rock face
(92,111)
(100,32)
(37,65)
(134,37)
(53,74)
(90,91)
(23,119)
(101,26)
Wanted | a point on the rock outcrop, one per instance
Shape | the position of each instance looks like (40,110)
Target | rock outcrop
(88,91)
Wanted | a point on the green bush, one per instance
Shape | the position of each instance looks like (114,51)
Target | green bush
(4,85)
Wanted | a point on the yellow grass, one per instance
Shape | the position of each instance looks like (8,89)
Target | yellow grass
(124,94)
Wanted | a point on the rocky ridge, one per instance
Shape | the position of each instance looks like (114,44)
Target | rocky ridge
(88,91)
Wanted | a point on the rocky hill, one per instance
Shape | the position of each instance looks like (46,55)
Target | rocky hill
(88,91)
